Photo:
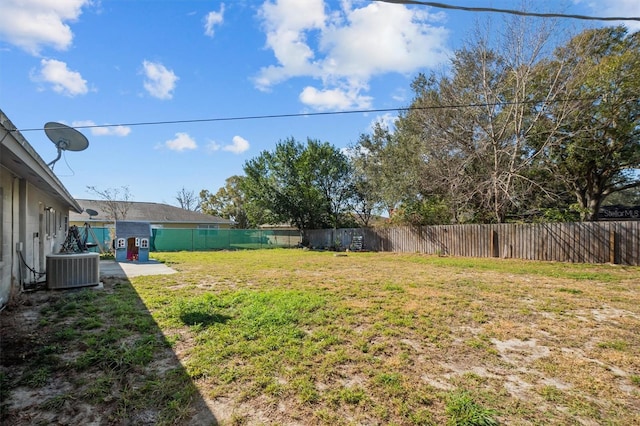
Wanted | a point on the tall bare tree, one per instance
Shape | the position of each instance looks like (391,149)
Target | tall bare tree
(188,200)
(473,122)
(114,201)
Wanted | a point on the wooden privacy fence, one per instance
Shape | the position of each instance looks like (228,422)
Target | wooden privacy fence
(588,242)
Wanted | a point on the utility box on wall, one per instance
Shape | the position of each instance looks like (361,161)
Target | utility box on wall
(132,241)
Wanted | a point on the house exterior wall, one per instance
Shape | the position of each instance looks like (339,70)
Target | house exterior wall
(8,208)
(34,211)
(47,225)
(33,226)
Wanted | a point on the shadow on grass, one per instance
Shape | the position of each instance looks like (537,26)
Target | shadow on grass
(203,318)
(93,356)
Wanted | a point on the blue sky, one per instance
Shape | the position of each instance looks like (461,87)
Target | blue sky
(92,62)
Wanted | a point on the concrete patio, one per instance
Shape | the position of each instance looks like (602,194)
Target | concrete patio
(111,268)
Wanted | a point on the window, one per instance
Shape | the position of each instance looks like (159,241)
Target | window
(49,218)
(204,230)
(54,223)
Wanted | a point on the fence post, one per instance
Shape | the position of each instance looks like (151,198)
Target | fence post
(612,243)
(495,248)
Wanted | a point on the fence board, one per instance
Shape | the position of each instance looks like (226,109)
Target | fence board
(588,242)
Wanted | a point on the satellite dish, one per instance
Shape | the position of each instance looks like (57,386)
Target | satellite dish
(65,138)
(91,212)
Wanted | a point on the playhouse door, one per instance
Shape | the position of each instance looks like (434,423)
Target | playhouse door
(132,249)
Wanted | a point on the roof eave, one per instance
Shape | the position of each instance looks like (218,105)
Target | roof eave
(20,149)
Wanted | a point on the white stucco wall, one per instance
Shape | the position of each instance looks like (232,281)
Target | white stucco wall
(34,204)
(33,221)
(5,246)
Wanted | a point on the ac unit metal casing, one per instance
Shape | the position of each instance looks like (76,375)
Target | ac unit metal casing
(73,270)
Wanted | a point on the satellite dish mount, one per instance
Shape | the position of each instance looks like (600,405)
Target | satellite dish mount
(65,138)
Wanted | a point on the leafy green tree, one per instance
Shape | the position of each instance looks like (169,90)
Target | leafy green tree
(433,211)
(629,197)
(386,171)
(595,130)
(228,202)
(332,175)
(363,202)
(306,185)
(372,191)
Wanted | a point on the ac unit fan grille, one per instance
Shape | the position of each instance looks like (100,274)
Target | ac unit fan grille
(73,270)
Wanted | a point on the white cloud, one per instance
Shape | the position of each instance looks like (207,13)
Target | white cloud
(181,142)
(238,145)
(344,49)
(287,24)
(112,131)
(212,20)
(61,79)
(33,24)
(333,99)
(387,121)
(159,81)
(617,8)
(381,38)
(107,130)
(213,146)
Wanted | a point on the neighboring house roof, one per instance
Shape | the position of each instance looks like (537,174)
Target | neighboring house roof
(156,213)
(20,157)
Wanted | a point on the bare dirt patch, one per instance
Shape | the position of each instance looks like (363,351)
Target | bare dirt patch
(53,371)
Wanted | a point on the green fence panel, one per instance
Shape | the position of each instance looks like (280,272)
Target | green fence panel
(172,239)
(221,239)
(211,239)
(204,239)
(245,239)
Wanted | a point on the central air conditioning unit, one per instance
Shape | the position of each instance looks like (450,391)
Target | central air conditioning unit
(73,270)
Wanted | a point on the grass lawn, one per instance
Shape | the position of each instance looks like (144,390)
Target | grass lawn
(297,337)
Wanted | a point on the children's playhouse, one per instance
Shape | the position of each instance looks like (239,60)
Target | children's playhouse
(132,241)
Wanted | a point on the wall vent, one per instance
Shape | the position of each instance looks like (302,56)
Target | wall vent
(73,270)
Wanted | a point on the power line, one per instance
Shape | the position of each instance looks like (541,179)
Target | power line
(511,11)
(239,118)
(315,114)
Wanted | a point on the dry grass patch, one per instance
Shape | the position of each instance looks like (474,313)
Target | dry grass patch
(296,337)
(401,339)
